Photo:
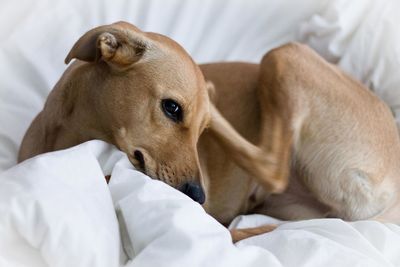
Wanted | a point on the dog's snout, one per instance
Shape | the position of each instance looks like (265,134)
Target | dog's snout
(140,158)
(194,191)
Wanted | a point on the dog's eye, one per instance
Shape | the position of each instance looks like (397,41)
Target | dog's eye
(172,110)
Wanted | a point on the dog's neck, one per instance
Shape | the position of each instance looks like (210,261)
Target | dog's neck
(73,115)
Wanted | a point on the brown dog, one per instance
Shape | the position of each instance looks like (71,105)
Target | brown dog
(139,91)
(294,119)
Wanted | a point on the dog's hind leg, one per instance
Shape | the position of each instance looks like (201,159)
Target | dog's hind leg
(269,161)
(267,166)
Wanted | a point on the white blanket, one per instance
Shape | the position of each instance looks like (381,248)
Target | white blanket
(56,210)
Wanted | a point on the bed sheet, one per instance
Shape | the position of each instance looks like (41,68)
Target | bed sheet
(55,212)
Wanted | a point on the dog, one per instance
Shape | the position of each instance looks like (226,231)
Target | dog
(139,91)
(293,137)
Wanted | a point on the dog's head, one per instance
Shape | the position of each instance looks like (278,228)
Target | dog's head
(151,101)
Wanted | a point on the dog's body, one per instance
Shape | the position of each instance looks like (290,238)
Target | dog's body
(293,120)
(345,150)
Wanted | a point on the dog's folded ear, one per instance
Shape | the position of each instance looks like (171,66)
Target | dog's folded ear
(120,44)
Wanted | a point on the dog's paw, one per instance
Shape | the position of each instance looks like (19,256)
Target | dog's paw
(271,175)
(108,44)
(279,184)
(240,234)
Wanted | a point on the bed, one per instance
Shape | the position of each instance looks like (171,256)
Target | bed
(57,210)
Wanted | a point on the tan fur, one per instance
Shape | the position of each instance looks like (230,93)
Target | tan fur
(345,145)
(239,234)
(293,125)
(116,97)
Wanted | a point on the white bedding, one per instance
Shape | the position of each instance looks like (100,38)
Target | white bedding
(57,209)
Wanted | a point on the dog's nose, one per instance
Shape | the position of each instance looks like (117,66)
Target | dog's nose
(194,191)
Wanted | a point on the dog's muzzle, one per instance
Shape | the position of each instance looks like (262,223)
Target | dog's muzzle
(194,191)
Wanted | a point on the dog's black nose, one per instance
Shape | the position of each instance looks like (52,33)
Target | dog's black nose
(194,191)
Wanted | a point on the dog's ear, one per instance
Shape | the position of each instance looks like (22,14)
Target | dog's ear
(120,44)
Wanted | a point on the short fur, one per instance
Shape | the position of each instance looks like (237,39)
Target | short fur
(294,125)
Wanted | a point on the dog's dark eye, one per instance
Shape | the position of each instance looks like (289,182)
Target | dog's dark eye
(172,110)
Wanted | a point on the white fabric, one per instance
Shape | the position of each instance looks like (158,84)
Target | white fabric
(45,224)
(56,210)
(363,38)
